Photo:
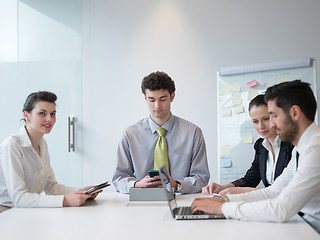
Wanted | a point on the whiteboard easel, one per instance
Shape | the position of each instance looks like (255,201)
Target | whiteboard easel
(236,86)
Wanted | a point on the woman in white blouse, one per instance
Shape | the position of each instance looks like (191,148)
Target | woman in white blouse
(25,170)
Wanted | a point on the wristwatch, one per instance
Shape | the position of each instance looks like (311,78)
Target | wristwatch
(178,186)
(225,198)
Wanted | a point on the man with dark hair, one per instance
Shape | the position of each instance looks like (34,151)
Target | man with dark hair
(161,138)
(294,93)
(292,108)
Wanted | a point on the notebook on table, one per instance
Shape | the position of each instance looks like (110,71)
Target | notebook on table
(181,213)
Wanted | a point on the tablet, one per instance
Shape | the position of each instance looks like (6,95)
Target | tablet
(97,188)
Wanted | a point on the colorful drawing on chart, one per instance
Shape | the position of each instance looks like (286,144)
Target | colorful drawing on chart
(268,79)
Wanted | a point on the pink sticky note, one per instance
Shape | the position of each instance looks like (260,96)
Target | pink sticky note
(252,83)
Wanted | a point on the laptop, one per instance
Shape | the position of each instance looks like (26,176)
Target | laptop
(181,213)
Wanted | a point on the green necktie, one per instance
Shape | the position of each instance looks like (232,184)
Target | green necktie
(161,151)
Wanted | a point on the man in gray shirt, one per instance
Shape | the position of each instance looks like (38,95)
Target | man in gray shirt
(186,148)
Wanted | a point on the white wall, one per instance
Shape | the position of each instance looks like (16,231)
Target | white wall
(125,40)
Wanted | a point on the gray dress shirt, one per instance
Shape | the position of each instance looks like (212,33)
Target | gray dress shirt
(186,153)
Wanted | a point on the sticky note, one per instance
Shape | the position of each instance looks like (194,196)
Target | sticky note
(224,89)
(225,150)
(283,79)
(226,112)
(252,83)
(246,138)
(252,95)
(238,109)
(235,87)
(225,162)
(236,98)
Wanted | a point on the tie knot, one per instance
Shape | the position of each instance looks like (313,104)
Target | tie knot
(161,131)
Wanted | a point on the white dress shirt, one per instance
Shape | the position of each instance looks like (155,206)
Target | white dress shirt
(24,175)
(186,153)
(271,163)
(296,189)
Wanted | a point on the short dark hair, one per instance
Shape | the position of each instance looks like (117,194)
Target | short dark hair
(257,101)
(156,81)
(292,93)
(35,97)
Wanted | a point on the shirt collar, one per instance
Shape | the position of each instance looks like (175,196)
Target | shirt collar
(305,137)
(276,143)
(24,138)
(167,126)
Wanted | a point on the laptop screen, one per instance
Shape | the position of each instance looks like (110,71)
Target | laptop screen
(167,187)
(170,195)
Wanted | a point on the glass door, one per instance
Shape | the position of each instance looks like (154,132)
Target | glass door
(48,57)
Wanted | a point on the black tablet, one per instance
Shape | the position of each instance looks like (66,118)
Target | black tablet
(96,188)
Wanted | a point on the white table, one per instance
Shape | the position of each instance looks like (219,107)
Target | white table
(112,216)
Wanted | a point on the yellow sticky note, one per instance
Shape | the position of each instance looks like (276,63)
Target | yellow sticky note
(224,89)
(238,109)
(252,95)
(246,138)
(236,98)
(225,150)
(283,79)
(235,87)
(226,112)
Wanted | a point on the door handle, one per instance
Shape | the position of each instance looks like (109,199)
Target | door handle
(71,133)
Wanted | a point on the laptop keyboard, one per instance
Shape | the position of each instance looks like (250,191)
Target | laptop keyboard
(187,211)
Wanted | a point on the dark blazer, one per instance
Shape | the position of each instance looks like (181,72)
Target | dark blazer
(257,171)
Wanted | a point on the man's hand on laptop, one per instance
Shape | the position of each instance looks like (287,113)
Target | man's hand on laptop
(207,205)
(148,181)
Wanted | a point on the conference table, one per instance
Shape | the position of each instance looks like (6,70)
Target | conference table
(112,216)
